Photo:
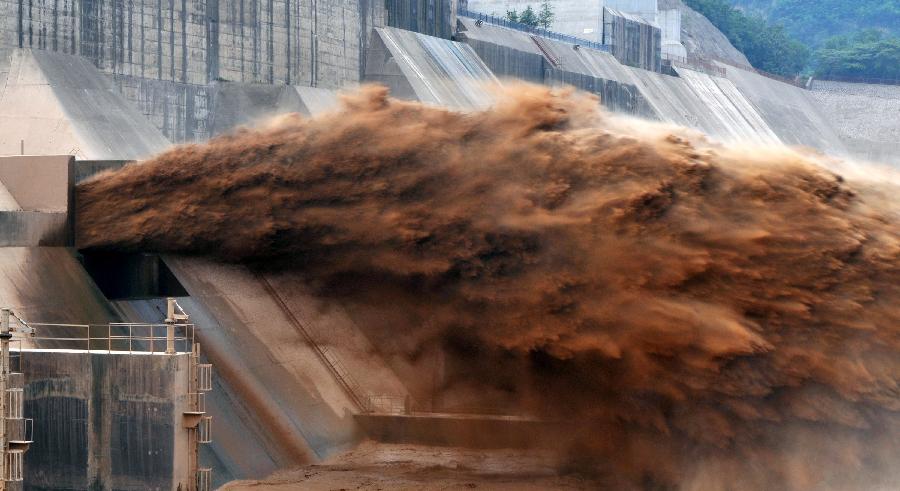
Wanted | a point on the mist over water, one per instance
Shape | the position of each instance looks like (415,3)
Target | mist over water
(713,317)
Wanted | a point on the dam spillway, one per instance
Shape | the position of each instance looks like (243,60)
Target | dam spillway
(114,84)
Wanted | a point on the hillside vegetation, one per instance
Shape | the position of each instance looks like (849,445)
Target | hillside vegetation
(827,38)
(814,22)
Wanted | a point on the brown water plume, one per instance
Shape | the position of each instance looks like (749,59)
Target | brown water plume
(714,317)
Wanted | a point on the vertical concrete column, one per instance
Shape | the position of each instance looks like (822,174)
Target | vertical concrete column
(101,411)
(4,381)
(183,476)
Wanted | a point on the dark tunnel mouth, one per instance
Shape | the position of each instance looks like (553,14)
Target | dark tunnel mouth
(130,275)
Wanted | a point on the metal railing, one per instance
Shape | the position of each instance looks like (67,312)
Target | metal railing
(537,31)
(15,403)
(118,336)
(204,430)
(197,400)
(204,377)
(388,404)
(204,479)
(14,465)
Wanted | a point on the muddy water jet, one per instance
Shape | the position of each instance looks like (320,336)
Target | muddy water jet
(718,317)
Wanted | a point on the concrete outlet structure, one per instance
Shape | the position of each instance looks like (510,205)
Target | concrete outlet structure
(125,408)
(108,420)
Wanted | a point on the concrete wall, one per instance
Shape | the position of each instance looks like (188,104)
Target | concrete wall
(59,104)
(429,69)
(42,188)
(85,169)
(697,100)
(432,17)
(701,39)
(235,105)
(792,113)
(198,41)
(163,54)
(47,284)
(39,182)
(179,110)
(513,54)
(106,421)
(32,228)
(509,63)
(579,18)
(647,10)
(742,106)
(670,27)
(468,431)
(275,403)
(632,40)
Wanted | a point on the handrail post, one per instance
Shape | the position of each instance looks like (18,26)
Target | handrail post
(170,326)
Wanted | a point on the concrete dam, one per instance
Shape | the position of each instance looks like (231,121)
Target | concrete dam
(91,86)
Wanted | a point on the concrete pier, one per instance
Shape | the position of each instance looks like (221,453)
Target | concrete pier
(107,420)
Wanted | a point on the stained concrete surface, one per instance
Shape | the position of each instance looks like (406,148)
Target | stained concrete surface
(316,100)
(162,55)
(39,182)
(791,112)
(32,228)
(513,54)
(374,466)
(275,403)
(60,104)
(697,100)
(7,201)
(106,421)
(428,69)
(235,105)
(701,38)
(48,284)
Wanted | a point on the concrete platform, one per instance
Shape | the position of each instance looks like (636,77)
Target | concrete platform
(457,430)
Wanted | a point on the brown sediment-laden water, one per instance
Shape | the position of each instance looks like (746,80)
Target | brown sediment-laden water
(712,316)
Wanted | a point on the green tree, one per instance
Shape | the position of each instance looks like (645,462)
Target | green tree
(813,22)
(528,17)
(867,54)
(768,47)
(512,15)
(546,15)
